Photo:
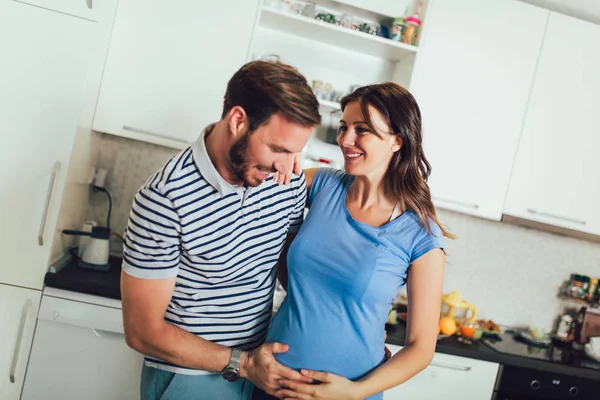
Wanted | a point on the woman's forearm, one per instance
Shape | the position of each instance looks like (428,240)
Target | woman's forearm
(405,364)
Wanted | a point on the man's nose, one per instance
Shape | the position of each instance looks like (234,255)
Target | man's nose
(285,163)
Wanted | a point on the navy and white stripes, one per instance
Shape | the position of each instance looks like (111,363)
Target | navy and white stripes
(220,241)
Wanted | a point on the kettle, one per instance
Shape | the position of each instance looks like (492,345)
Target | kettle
(96,252)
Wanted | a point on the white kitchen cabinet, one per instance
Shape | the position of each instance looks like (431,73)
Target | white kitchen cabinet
(168,67)
(82,344)
(557,169)
(472,79)
(45,56)
(448,377)
(18,312)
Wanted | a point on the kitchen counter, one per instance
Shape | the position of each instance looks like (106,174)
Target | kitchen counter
(76,279)
(107,285)
(579,366)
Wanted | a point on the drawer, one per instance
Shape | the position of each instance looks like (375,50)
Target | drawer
(81,314)
(86,9)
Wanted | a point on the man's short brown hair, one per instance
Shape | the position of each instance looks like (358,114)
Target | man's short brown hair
(263,88)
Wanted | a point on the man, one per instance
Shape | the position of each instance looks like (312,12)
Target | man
(203,239)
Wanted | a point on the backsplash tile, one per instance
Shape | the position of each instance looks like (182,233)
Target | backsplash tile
(512,274)
(130,163)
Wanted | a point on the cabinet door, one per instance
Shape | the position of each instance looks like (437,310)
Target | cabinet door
(472,78)
(557,169)
(43,74)
(448,377)
(18,312)
(168,67)
(86,343)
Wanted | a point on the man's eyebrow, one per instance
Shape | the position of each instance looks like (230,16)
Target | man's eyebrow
(280,149)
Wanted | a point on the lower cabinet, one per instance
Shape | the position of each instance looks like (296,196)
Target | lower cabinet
(449,378)
(79,352)
(18,311)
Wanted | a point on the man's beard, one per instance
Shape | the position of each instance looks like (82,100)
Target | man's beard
(238,162)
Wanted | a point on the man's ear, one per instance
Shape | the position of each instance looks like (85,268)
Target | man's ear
(237,121)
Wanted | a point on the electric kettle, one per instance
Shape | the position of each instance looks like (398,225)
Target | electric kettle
(96,252)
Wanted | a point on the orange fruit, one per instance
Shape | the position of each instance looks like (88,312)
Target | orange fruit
(447,326)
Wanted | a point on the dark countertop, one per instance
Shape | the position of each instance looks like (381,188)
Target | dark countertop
(76,279)
(107,284)
(480,351)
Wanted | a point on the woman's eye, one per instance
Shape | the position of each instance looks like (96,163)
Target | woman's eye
(361,131)
(342,129)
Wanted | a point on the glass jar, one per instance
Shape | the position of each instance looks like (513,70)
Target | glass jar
(578,286)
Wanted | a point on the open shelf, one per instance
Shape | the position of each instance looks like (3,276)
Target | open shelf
(335,35)
(330,104)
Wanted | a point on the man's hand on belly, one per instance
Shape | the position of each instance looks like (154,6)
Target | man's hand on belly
(261,368)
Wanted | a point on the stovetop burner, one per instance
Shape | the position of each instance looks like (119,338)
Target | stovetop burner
(556,353)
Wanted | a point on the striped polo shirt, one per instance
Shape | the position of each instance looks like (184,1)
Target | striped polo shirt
(220,241)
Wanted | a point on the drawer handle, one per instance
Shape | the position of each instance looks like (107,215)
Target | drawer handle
(160,135)
(15,359)
(89,4)
(457,203)
(102,333)
(55,169)
(451,366)
(554,216)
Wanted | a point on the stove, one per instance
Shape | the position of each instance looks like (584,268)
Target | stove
(518,383)
(561,354)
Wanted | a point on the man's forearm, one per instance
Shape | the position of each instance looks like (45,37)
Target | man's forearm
(177,346)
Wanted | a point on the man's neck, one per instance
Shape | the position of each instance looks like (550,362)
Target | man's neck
(218,142)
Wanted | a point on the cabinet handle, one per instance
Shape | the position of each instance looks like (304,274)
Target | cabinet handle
(548,215)
(451,366)
(55,169)
(15,359)
(160,135)
(455,202)
(89,4)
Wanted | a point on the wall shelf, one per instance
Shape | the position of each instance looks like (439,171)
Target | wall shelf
(334,105)
(335,35)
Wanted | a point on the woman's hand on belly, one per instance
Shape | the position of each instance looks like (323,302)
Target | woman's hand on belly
(331,387)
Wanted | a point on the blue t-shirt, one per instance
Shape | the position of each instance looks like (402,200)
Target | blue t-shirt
(343,276)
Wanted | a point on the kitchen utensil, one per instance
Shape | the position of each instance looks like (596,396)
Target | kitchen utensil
(454,306)
(95,254)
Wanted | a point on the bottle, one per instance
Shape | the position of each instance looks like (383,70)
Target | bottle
(591,292)
(413,23)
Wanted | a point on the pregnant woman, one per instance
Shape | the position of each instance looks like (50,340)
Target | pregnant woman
(370,230)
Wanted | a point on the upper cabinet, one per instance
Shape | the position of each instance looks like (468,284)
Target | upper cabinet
(168,67)
(46,55)
(472,79)
(557,169)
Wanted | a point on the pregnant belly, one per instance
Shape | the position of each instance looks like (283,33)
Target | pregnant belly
(331,350)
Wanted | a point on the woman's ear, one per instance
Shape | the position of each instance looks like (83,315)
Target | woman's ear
(237,121)
(396,145)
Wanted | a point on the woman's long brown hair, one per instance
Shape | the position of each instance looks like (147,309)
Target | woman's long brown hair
(407,174)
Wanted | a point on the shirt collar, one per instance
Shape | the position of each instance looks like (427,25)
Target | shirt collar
(206,167)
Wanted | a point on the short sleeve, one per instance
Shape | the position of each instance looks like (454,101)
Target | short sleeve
(324,177)
(297,215)
(152,238)
(425,242)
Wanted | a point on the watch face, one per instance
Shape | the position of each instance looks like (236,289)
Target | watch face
(230,375)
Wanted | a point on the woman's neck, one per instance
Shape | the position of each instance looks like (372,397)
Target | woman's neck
(368,192)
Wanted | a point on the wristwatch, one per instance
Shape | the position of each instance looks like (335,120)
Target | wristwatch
(231,372)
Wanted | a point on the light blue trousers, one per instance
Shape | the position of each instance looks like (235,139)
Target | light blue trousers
(162,385)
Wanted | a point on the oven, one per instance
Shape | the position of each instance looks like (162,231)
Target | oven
(517,383)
